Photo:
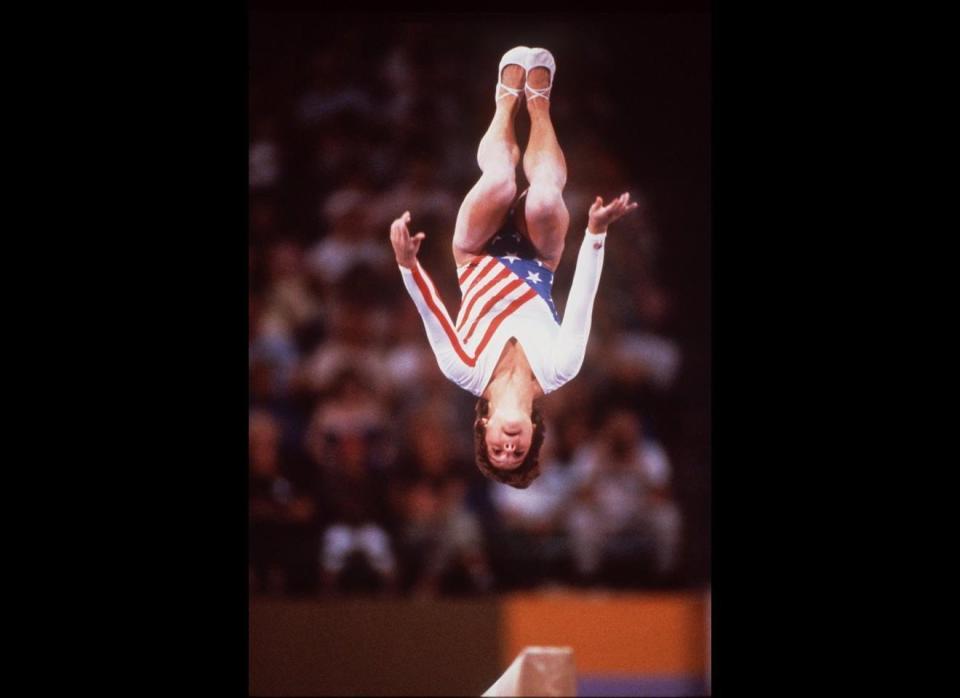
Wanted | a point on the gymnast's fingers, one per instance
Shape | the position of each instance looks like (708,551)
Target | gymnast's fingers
(399,228)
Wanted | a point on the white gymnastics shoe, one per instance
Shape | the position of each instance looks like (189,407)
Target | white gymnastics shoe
(539,58)
(515,56)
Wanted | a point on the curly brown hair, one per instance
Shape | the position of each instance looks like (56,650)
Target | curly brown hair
(528,471)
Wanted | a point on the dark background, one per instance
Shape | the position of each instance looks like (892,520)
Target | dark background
(632,109)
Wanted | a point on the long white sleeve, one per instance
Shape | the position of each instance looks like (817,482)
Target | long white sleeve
(453,361)
(571,343)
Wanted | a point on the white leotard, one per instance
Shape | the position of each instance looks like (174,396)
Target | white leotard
(504,297)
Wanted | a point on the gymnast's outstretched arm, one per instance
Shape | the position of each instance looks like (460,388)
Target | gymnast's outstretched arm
(575,328)
(451,357)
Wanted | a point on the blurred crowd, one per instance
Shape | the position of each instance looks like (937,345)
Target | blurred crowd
(360,452)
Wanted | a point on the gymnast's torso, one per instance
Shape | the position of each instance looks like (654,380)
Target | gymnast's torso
(506,294)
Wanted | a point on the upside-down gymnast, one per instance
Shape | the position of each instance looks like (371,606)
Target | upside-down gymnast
(508,345)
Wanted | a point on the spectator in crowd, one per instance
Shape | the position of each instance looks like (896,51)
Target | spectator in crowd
(280,515)
(441,537)
(348,242)
(641,356)
(273,354)
(409,363)
(350,348)
(351,409)
(623,508)
(357,551)
(289,295)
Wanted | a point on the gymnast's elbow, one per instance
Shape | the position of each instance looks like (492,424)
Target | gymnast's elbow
(566,371)
(456,372)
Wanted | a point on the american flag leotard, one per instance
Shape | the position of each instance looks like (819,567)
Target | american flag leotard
(505,296)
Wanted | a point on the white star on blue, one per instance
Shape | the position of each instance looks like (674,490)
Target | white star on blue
(534,273)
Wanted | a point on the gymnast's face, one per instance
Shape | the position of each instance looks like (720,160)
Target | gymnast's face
(508,437)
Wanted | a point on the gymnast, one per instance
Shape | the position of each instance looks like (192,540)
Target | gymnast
(508,345)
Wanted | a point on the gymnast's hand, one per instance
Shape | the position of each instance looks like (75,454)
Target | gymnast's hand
(404,246)
(601,216)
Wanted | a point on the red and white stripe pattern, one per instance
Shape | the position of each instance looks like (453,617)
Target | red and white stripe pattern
(490,293)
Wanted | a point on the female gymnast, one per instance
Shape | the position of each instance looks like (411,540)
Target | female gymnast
(508,345)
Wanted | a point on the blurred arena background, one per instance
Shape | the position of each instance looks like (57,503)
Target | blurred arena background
(381,561)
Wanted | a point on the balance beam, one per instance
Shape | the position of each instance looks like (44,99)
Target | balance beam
(538,671)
